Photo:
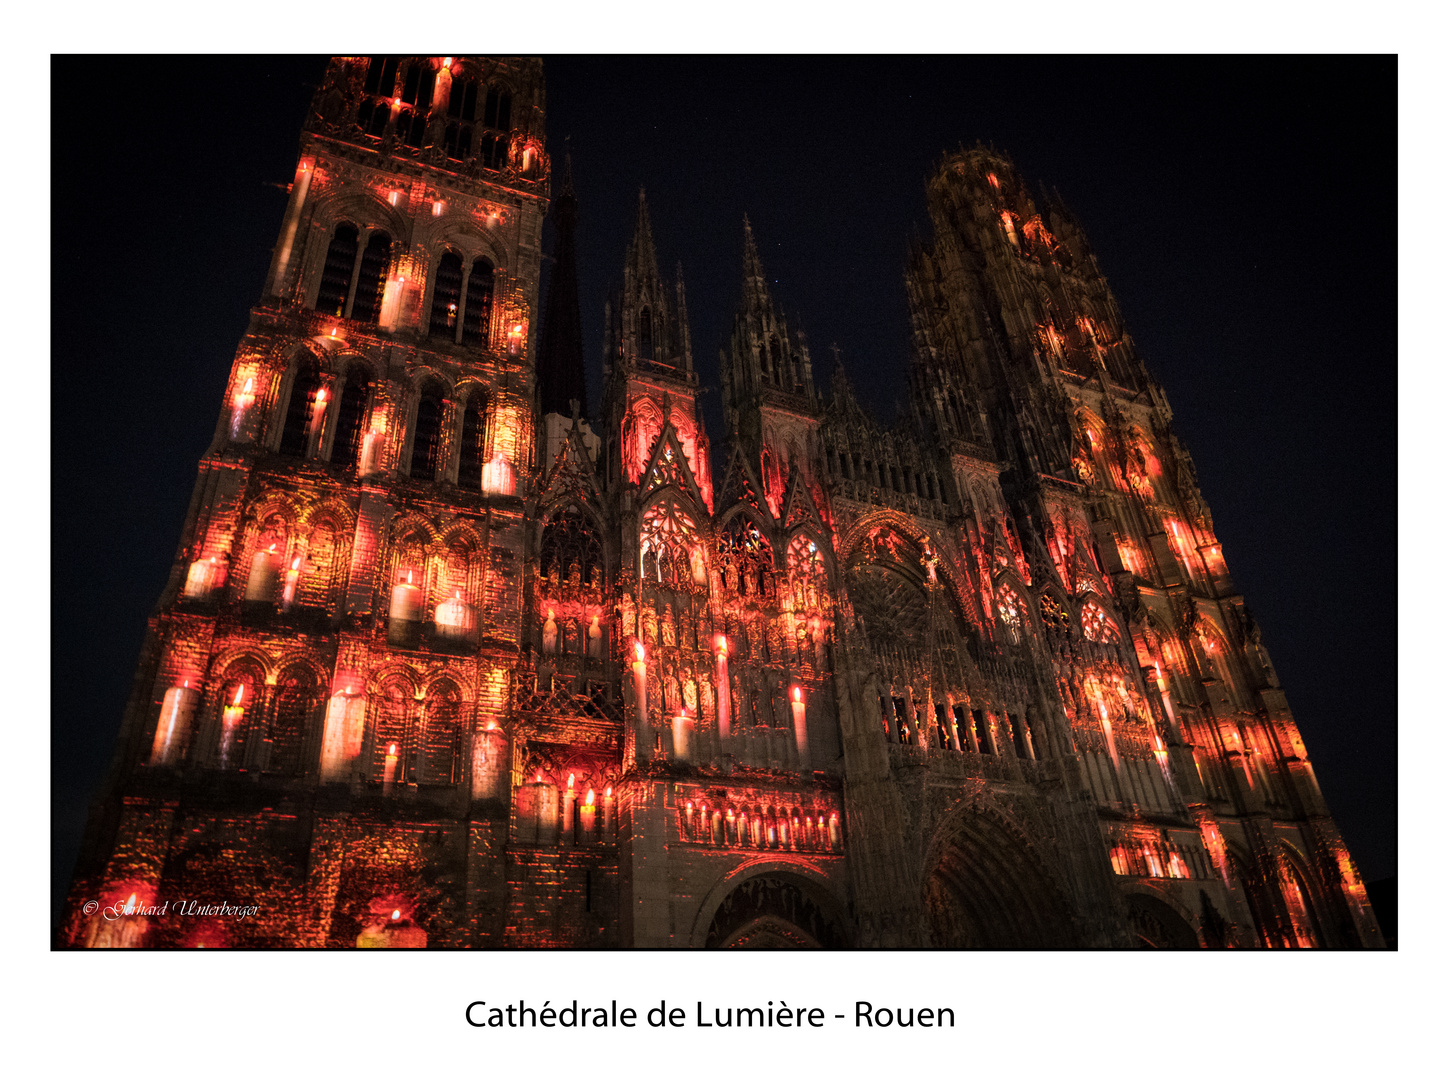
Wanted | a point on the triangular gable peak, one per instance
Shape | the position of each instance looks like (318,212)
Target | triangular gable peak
(741,485)
(799,507)
(571,474)
(669,467)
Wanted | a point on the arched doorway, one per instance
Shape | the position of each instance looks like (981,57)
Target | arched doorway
(1156,925)
(775,911)
(985,890)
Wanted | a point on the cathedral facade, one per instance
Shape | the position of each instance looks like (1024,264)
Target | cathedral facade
(445,659)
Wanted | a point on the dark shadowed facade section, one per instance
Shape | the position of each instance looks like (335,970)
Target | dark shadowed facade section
(434,667)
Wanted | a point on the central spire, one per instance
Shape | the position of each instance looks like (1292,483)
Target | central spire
(560,360)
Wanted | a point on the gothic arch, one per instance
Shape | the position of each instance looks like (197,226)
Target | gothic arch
(469,240)
(815,535)
(1158,921)
(363,209)
(905,526)
(589,521)
(757,905)
(986,886)
(744,509)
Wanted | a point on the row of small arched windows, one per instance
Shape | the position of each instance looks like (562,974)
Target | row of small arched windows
(352,285)
(897,478)
(426,442)
(413,116)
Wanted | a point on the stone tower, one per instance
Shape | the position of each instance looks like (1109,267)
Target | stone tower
(345,605)
(438,665)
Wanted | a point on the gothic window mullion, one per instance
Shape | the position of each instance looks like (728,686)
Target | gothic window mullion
(465,268)
(355,272)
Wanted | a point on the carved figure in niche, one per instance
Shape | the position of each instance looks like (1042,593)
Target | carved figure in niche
(746,561)
(651,623)
(667,627)
(808,576)
(569,548)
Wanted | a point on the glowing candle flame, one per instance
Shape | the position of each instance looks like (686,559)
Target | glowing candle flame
(130,904)
(296,564)
(395,914)
(239,693)
(249,386)
(571,782)
(797,693)
(393,749)
(639,653)
(320,397)
(445,63)
(721,643)
(590,797)
(608,791)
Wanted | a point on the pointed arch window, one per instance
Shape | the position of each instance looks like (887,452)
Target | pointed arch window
(445,299)
(419,85)
(459,130)
(380,76)
(808,575)
(1011,611)
(374,264)
(744,559)
(472,442)
(569,548)
(295,438)
(667,538)
(425,440)
(350,419)
(339,265)
(495,143)
(1096,625)
(479,300)
(1053,615)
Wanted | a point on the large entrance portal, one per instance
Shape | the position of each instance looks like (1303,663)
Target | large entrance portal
(985,890)
(774,911)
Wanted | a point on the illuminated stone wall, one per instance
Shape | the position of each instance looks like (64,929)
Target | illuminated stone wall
(424,676)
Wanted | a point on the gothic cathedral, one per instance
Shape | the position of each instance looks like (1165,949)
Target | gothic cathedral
(445,659)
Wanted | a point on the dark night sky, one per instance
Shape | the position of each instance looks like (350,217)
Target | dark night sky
(1243,209)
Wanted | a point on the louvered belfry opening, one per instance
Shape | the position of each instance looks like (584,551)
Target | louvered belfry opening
(335,275)
(370,287)
(425,447)
(295,436)
(479,298)
(472,442)
(445,302)
(353,402)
